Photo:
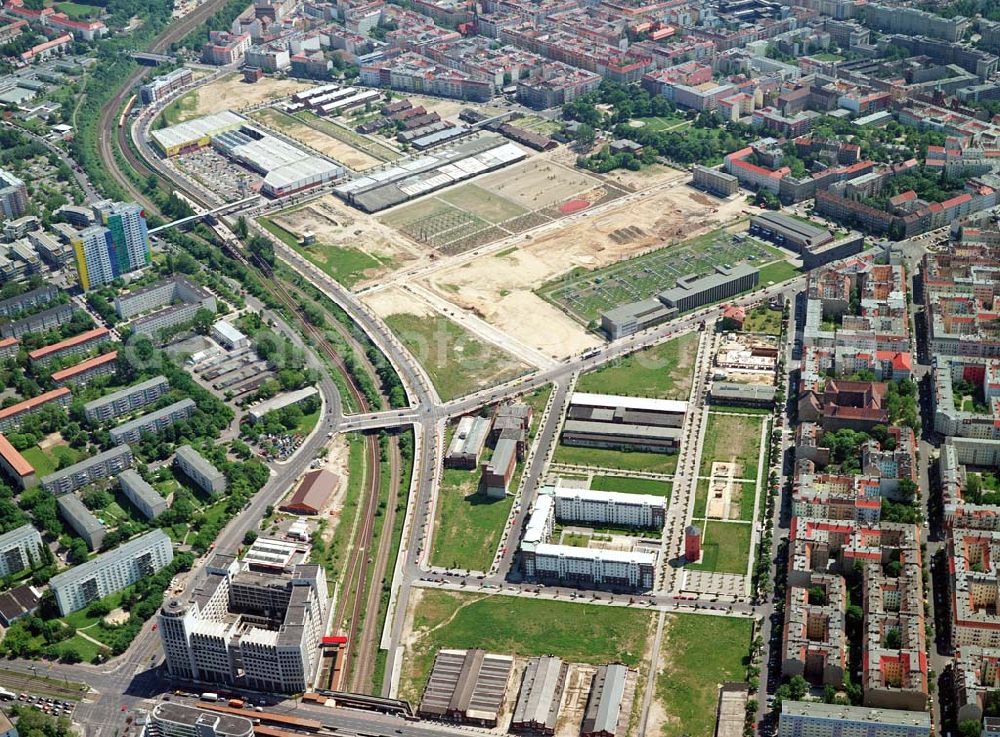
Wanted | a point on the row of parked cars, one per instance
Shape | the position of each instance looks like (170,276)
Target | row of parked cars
(55,707)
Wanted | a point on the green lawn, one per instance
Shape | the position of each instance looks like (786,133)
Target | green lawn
(725,547)
(777,272)
(181,109)
(615,459)
(664,123)
(85,648)
(48,461)
(827,56)
(76,11)
(308,422)
(730,438)
(347,265)
(763,320)
(663,371)
(628,485)
(698,654)
(457,361)
(522,627)
(467,524)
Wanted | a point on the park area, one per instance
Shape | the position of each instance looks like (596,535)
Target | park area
(457,362)
(698,654)
(347,246)
(585,294)
(731,438)
(499,205)
(509,625)
(663,371)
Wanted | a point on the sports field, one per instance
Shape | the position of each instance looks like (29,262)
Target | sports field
(586,294)
(499,205)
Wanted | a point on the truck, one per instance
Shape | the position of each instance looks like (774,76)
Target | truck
(209,696)
(237,703)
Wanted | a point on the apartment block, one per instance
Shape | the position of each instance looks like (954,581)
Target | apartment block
(152,422)
(15,466)
(19,549)
(816,719)
(86,371)
(101,466)
(126,400)
(179,299)
(195,467)
(75,346)
(955,454)
(11,306)
(161,87)
(240,628)
(145,498)
(13,196)
(82,521)
(109,572)
(38,322)
(10,417)
(975,587)
(609,508)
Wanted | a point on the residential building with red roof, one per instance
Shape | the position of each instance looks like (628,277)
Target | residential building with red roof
(10,417)
(15,466)
(70,347)
(88,370)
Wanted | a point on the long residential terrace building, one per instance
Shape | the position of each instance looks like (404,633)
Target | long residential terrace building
(109,572)
(11,417)
(89,470)
(74,346)
(126,400)
(153,422)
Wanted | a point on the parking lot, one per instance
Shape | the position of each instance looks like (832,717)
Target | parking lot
(213,170)
(47,704)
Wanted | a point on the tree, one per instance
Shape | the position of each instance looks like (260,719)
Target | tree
(203,320)
(970,728)
(250,537)
(585,136)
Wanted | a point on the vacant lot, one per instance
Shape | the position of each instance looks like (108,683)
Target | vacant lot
(628,485)
(582,633)
(316,139)
(616,460)
(763,319)
(230,93)
(725,547)
(486,205)
(467,523)
(731,439)
(539,183)
(777,272)
(457,361)
(360,143)
(697,655)
(664,371)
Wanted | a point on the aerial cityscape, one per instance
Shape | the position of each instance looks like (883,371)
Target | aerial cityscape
(449,368)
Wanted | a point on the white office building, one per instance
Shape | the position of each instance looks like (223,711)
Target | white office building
(19,549)
(242,628)
(111,571)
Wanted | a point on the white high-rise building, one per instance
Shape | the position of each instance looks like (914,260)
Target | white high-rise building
(241,627)
(19,549)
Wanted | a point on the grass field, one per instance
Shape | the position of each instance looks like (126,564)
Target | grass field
(615,459)
(467,524)
(347,265)
(48,461)
(730,438)
(457,362)
(540,125)
(725,547)
(76,11)
(664,371)
(183,108)
(699,653)
(763,320)
(584,633)
(483,204)
(586,294)
(627,485)
(664,123)
(777,272)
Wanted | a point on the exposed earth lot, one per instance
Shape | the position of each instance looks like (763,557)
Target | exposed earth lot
(500,287)
(230,93)
(316,139)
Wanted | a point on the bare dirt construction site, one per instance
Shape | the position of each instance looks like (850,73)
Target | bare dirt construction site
(232,93)
(500,287)
(335,225)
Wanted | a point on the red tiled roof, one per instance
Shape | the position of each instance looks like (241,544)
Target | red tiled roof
(83,366)
(14,459)
(27,404)
(68,343)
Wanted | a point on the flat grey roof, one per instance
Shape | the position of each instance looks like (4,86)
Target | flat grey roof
(722,276)
(144,420)
(223,724)
(820,710)
(71,506)
(198,461)
(637,310)
(140,487)
(656,432)
(127,391)
(132,548)
(791,224)
(728,389)
(87,463)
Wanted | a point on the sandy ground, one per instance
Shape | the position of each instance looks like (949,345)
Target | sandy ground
(50,441)
(538,183)
(117,616)
(646,177)
(335,224)
(501,287)
(445,108)
(232,93)
(317,140)
(395,301)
